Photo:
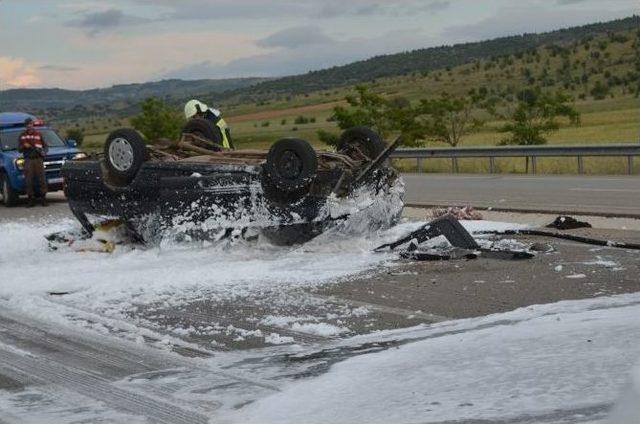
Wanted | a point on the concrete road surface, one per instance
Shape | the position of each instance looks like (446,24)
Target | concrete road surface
(575,195)
(605,195)
(65,359)
(57,208)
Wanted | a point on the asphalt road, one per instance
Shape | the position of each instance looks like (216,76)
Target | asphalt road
(57,208)
(578,195)
(125,368)
(606,195)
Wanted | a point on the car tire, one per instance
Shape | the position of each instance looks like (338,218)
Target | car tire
(359,141)
(124,153)
(9,195)
(289,170)
(205,129)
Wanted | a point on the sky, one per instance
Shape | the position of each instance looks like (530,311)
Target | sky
(80,44)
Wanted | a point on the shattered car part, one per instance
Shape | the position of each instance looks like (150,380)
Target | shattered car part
(446,226)
(106,235)
(186,188)
(568,223)
(462,245)
(564,236)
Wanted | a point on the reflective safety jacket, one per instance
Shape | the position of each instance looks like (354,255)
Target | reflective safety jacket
(32,145)
(227,143)
(226,134)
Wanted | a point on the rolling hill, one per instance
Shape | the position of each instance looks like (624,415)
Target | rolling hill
(237,94)
(430,59)
(116,97)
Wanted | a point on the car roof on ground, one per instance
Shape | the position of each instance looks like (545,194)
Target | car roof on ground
(13,119)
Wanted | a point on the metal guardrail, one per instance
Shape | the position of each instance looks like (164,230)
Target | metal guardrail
(528,152)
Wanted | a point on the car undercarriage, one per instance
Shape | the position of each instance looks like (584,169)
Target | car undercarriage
(203,191)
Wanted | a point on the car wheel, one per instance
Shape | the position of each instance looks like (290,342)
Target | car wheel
(9,195)
(361,141)
(124,152)
(206,129)
(290,169)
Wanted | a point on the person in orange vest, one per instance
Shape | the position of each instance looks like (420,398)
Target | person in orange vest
(34,148)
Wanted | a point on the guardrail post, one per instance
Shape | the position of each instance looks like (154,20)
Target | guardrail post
(580,165)
(419,163)
(534,165)
(492,165)
(454,165)
(630,165)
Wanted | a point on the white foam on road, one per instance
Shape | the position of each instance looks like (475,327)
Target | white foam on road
(108,291)
(28,267)
(564,357)
(568,360)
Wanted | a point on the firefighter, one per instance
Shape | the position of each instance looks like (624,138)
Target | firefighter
(197,109)
(34,149)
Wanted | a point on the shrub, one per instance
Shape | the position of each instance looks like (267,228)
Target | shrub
(157,120)
(599,91)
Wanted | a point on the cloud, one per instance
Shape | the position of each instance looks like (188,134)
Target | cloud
(95,22)
(300,59)
(520,19)
(58,68)
(123,61)
(261,9)
(295,37)
(566,2)
(17,73)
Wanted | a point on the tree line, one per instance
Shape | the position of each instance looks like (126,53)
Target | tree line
(448,119)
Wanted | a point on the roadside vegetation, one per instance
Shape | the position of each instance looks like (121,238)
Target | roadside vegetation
(572,91)
(158,120)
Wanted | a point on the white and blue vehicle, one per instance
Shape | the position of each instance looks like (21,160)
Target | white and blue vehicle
(12,180)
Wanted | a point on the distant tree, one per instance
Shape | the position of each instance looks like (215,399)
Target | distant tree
(157,120)
(366,109)
(599,90)
(75,134)
(535,116)
(283,122)
(448,119)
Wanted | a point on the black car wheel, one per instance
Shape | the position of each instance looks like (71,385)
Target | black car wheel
(124,152)
(206,129)
(359,141)
(9,196)
(290,169)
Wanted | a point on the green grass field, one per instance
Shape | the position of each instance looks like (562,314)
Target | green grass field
(604,121)
(613,117)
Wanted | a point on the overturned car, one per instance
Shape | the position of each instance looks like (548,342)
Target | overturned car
(290,193)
